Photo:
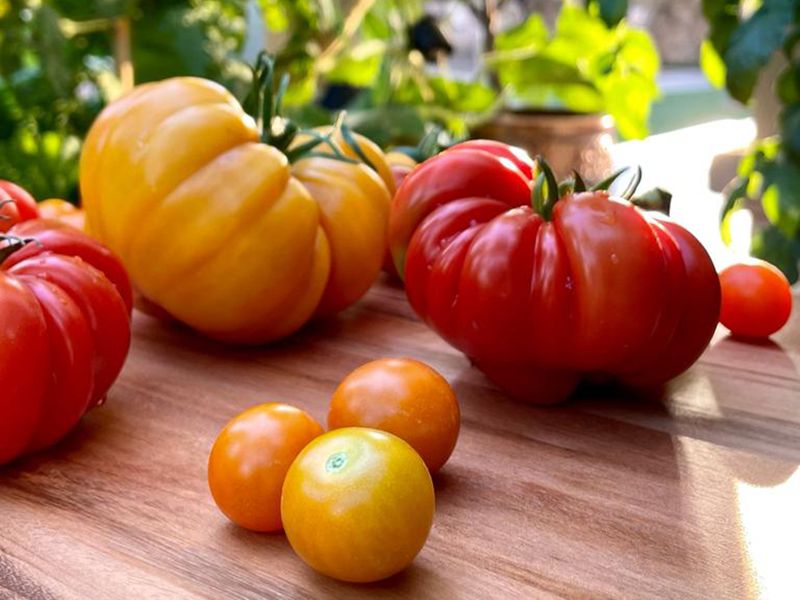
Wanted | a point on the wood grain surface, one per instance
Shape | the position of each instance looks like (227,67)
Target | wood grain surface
(694,494)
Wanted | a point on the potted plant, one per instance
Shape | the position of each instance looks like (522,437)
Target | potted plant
(558,92)
(566,90)
(740,47)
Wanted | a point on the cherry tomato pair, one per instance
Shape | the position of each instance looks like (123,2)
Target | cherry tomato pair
(357,502)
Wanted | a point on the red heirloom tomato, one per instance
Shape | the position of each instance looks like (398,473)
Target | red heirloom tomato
(16,205)
(756,299)
(64,332)
(586,285)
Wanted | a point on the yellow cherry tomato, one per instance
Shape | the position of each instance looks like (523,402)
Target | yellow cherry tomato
(249,461)
(61,210)
(219,229)
(357,504)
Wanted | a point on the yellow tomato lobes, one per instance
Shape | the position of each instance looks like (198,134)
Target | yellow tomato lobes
(95,143)
(271,263)
(375,155)
(354,206)
(357,504)
(118,153)
(400,159)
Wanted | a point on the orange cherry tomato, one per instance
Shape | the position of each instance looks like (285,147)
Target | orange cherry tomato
(404,397)
(61,210)
(756,299)
(249,460)
(358,504)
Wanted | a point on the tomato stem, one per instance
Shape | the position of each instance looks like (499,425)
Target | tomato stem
(545,193)
(13,243)
(265,104)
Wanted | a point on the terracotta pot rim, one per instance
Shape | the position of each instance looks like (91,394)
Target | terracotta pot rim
(563,121)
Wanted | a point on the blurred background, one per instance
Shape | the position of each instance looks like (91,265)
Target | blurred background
(705,95)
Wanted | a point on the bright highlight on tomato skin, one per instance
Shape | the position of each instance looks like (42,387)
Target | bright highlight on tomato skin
(404,397)
(249,461)
(756,299)
(357,504)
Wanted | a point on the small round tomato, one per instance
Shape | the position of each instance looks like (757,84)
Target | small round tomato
(61,210)
(249,460)
(358,504)
(756,299)
(404,397)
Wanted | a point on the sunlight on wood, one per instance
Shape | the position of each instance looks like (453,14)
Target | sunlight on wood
(771,534)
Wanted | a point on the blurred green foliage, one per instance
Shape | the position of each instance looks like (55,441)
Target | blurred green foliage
(584,65)
(738,47)
(57,68)
(57,72)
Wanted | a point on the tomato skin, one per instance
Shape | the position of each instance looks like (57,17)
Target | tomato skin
(249,461)
(600,289)
(61,210)
(404,397)
(517,156)
(306,238)
(756,299)
(23,346)
(357,504)
(64,336)
(26,205)
(458,174)
(59,237)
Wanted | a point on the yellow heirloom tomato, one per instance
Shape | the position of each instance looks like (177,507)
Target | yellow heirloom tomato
(219,228)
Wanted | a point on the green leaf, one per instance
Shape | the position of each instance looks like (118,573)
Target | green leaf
(781,195)
(628,100)
(359,67)
(790,129)
(712,64)
(788,85)
(774,247)
(531,34)
(753,43)
(610,11)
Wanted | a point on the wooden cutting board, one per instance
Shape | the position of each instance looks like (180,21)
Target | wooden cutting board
(694,495)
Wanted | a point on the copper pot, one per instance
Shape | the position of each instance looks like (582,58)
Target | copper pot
(567,140)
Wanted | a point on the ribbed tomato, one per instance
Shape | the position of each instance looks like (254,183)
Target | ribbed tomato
(584,286)
(65,306)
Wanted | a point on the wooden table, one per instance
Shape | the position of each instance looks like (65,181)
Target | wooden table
(607,496)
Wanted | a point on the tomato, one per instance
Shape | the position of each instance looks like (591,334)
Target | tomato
(756,299)
(249,461)
(64,211)
(58,237)
(25,204)
(357,504)
(404,397)
(591,287)
(401,165)
(64,334)
(221,230)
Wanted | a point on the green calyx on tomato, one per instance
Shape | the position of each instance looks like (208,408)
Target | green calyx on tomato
(546,192)
(544,288)
(264,103)
(13,243)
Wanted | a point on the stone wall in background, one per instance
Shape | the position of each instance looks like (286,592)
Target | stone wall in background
(678,26)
